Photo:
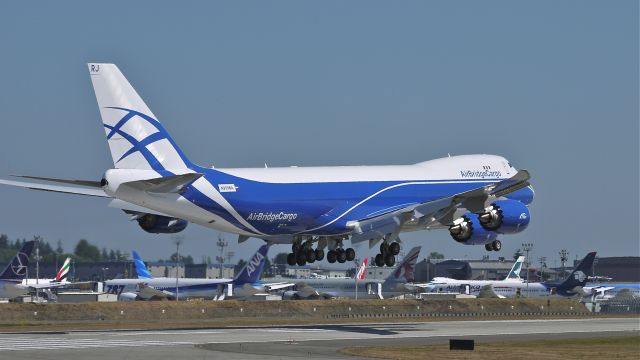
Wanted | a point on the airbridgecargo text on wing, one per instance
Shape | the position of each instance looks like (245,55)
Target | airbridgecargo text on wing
(271,217)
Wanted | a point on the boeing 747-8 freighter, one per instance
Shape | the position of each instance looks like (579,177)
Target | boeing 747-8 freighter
(475,197)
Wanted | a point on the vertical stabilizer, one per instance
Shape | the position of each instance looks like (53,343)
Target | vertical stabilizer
(141,268)
(136,138)
(581,273)
(250,273)
(514,274)
(405,270)
(17,268)
(64,270)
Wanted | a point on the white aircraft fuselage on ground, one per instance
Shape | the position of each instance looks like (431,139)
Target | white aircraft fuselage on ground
(476,197)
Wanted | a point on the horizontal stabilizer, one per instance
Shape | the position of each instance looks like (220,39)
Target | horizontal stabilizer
(57,188)
(89,183)
(129,207)
(166,184)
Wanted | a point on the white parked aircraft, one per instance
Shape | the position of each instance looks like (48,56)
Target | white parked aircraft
(471,287)
(475,197)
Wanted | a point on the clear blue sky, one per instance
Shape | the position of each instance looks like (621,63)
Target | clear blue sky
(551,85)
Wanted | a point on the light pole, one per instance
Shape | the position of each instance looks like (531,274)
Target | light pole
(104,277)
(526,247)
(37,267)
(221,243)
(564,256)
(543,265)
(177,239)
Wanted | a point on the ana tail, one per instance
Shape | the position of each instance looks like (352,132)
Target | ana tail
(250,273)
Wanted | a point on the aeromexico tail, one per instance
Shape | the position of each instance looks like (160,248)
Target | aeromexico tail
(475,197)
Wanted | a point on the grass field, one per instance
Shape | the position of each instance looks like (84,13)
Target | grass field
(623,347)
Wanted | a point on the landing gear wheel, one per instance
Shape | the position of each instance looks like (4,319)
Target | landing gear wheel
(319,254)
(496,245)
(311,256)
(342,256)
(384,247)
(295,247)
(350,254)
(394,248)
(291,259)
(379,260)
(389,260)
(301,259)
(488,247)
(331,256)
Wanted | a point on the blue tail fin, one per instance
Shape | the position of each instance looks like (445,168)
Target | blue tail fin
(17,268)
(250,273)
(581,273)
(141,268)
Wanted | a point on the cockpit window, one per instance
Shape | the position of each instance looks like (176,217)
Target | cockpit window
(509,164)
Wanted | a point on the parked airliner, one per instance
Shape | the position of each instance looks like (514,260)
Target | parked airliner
(146,287)
(475,197)
(472,287)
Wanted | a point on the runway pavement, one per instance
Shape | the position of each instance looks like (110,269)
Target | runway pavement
(291,341)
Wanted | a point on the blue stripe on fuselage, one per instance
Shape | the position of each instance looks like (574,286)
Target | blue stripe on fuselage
(318,204)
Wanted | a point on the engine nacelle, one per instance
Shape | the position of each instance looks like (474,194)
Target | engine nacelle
(505,217)
(157,224)
(467,230)
(127,296)
(290,295)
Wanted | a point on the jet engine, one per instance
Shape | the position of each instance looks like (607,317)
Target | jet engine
(505,217)
(467,230)
(157,224)
(127,296)
(290,295)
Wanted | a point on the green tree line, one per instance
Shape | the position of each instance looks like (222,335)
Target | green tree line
(84,251)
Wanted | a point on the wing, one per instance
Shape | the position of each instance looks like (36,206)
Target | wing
(278,286)
(437,211)
(148,292)
(89,191)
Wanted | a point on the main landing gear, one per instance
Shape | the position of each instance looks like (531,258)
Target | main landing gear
(304,253)
(495,245)
(341,255)
(387,255)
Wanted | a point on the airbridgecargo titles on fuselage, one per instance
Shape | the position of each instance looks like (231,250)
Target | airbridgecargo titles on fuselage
(271,217)
(481,174)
